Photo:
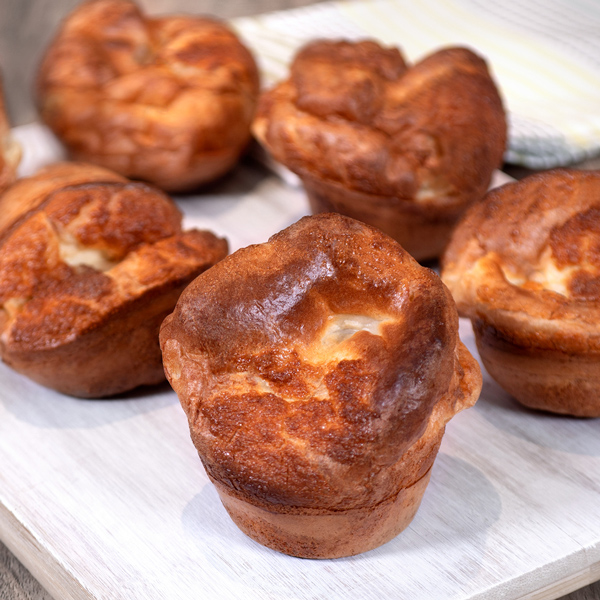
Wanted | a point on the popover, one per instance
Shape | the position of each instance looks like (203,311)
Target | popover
(318,371)
(403,148)
(90,264)
(168,100)
(524,266)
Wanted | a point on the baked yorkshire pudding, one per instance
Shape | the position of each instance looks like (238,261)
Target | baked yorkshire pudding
(405,149)
(10,151)
(524,265)
(168,100)
(318,371)
(90,265)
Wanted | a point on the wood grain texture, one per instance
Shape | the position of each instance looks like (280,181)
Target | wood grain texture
(591,592)
(15,581)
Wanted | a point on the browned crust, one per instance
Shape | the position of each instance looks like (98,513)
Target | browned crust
(543,379)
(27,194)
(503,265)
(556,212)
(429,135)
(168,100)
(85,330)
(423,231)
(284,415)
(326,534)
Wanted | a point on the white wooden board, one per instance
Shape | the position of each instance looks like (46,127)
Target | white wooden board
(108,500)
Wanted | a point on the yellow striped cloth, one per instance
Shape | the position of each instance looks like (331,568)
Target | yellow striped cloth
(544,55)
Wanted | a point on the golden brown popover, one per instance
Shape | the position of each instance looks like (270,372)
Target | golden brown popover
(10,150)
(318,372)
(524,266)
(405,149)
(90,264)
(168,100)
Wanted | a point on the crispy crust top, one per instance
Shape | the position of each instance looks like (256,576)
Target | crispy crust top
(527,260)
(309,364)
(357,115)
(78,244)
(158,93)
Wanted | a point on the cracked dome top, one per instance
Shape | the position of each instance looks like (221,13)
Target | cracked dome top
(168,100)
(527,259)
(310,365)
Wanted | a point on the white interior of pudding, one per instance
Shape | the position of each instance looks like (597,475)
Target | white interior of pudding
(76,255)
(547,274)
(429,191)
(326,351)
(513,278)
(341,327)
(13,306)
(550,277)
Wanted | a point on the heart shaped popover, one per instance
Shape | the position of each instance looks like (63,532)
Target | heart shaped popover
(405,149)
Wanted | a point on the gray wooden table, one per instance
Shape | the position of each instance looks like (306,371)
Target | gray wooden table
(25,29)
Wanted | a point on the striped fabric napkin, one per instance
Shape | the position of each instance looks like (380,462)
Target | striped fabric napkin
(544,55)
